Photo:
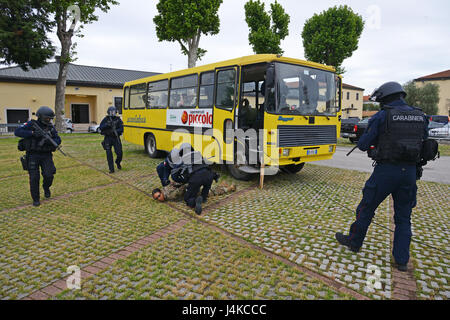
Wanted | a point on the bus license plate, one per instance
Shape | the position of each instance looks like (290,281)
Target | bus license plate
(311,152)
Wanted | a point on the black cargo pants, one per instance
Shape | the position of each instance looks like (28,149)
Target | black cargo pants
(108,143)
(45,162)
(202,178)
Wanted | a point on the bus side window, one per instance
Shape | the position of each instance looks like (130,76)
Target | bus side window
(225,94)
(138,93)
(183,92)
(206,90)
(126,98)
(157,94)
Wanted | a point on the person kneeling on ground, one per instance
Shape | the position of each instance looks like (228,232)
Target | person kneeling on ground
(175,191)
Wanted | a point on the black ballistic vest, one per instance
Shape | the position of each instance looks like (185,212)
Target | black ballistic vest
(38,145)
(402,140)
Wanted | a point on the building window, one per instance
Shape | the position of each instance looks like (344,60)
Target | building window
(348,95)
(357,96)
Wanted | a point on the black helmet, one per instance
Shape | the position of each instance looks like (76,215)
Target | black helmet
(45,114)
(387,89)
(112,111)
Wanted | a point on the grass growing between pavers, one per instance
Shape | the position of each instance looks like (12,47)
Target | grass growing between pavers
(297,216)
(199,263)
(38,244)
(430,226)
(294,216)
(15,191)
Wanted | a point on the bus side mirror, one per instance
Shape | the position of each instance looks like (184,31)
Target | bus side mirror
(270,76)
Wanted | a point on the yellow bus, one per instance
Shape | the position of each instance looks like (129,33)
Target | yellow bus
(293,107)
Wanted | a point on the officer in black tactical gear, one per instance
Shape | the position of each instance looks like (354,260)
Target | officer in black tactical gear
(394,138)
(112,128)
(39,151)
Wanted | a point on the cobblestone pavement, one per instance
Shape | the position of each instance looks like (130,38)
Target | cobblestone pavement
(94,215)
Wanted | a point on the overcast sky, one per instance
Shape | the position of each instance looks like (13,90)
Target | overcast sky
(402,40)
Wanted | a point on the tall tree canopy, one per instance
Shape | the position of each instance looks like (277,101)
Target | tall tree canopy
(68,15)
(24,25)
(266,30)
(426,97)
(332,36)
(184,21)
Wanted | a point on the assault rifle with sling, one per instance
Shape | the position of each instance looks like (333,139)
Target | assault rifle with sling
(112,124)
(46,137)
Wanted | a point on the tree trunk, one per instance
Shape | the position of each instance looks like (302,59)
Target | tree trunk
(61,89)
(192,57)
(193,44)
(65,37)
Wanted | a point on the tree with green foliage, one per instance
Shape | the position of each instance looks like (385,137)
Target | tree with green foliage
(184,21)
(266,29)
(425,98)
(371,107)
(24,25)
(30,20)
(332,36)
(68,15)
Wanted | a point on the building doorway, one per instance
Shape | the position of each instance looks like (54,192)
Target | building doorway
(80,113)
(16,117)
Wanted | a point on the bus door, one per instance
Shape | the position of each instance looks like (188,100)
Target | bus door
(225,101)
(250,113)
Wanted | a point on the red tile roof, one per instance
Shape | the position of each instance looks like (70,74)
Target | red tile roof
(436,76)
(366,98)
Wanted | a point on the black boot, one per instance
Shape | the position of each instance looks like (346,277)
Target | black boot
(401,267)
(119,166)
(47,193)
(198,205)
(343,239)
(36,203)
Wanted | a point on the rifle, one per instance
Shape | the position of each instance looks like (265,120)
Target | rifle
(47,137)
(352,150)
(113,127)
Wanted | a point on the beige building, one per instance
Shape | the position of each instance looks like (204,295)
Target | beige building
(89,92)
(442,79)
(352,101)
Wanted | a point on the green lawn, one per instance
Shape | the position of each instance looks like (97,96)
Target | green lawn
(93,214)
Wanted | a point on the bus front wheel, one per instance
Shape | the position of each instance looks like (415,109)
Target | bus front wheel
(238,174)
(150,146)
(293,168)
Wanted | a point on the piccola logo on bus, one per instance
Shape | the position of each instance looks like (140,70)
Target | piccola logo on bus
(198,118)
(190,118)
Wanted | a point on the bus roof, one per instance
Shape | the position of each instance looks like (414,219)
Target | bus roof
(256,58)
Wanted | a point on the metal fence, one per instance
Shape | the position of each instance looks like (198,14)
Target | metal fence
(8,128)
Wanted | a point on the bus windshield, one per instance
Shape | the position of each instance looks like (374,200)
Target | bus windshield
(305,91)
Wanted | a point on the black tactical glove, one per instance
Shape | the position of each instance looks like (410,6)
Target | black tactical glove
(37,134)
(419,171)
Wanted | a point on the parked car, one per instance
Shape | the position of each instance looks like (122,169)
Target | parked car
(442,132)
(69,125)
(434,125)
(94,127)
(353,131)
(347,126)
(438,118)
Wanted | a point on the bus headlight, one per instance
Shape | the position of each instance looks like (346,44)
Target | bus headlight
(330,149)
(286,152)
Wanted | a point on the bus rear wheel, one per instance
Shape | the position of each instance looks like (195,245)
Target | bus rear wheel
(150,147)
